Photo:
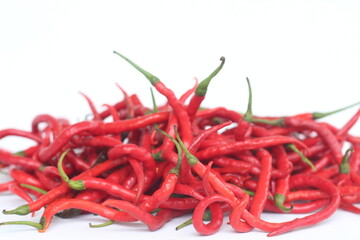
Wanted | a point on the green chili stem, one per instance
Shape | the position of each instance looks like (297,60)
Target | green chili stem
(155,108)
(206,217)
(28,223)
(249,114)
(175,169)
(344,166)
(76,185)
(203,85)
(302,156)
(60,168)
(153,80)
(39,190)
(317,115)
(105,224)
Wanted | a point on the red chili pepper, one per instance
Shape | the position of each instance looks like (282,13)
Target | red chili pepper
(16,189)
(23,177)
(189,92)
(216,215)
(139,153)
(253,143)
(328,137)
(96,115)
(140,175)
(153,222)
(299,208)
(47,182)
(98,128)
(167,144)
(52,122)
(244,128)
(219,112)
(306,195)
(5,186)
(312,181)
(346,128)
(63,188)
(19,133)
(179,109)
(96,208)
(261,193)
(282,184)
(24,162)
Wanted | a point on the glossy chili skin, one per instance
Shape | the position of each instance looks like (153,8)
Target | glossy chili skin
(282,184)
(153,222)
(89,206)
(25,162)
(261,192)
(99,128)
(63,188)
(238,146)
(138,153)
(328,210)
(328,137)
(216,212)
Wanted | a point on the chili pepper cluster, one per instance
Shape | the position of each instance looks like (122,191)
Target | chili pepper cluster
(132,163)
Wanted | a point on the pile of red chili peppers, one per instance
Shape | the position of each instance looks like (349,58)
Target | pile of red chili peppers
(135,163)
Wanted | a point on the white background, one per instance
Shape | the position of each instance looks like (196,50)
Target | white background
(300,56)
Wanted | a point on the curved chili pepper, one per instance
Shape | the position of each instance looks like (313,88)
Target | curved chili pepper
(63,188)
(328,137)
(25,162)
(298,208)
(20,133)
(96,208)
(23,177)
(139,153)
(346,128)
(47,182)
(167,144)
(99,128)
(205,181)
(313,181)
(16,189)
(96,115)
(139,172)
(5,186)
(179,110)
(216,215)
(219,112)
(153,222)
(189,92)
(253,143)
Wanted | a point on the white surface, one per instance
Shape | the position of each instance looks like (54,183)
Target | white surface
(301,56)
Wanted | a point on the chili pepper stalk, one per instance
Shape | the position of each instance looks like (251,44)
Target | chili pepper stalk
(201,91)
